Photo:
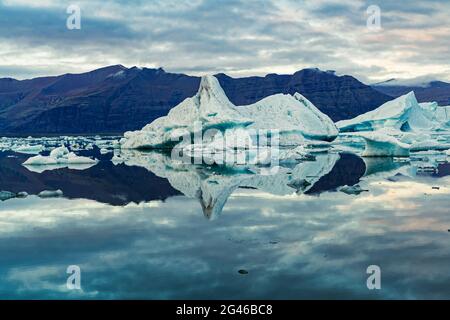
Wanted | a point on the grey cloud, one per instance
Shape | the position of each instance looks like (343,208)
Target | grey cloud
(250,37)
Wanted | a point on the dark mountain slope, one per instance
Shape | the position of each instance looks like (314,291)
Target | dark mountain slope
(116,99)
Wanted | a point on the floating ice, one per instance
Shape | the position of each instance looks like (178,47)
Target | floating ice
(59,158)
(403,114)
(382,145)
(401,126)
(50,194)
(353,190)
(6,195)
(294,116)
(427,145)
(28,149)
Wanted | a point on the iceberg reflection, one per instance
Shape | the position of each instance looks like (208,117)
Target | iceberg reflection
(213,185)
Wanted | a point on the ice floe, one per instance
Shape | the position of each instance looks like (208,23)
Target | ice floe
(50,194)
(28,149)
(59,157)
(353,190)
(6,195)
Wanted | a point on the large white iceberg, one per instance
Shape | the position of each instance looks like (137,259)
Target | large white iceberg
(295,117)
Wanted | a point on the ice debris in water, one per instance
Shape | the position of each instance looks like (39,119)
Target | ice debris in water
(401,126)
(50,194)
(353,190)
(6,195)
(28,149)
(59,156)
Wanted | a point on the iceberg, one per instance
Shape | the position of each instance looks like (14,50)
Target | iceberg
(59,158)
(383,145)
(402,114)
(401,126)
(295,117)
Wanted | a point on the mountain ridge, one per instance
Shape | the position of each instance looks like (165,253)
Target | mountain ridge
(115,99)
(425,91)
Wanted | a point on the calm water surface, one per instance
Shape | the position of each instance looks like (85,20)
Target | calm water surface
(146,229)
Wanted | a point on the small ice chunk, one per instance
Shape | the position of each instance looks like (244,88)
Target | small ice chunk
(429,145)
(60,158)
(6,195)
(22,194)
(353,190)
(28,149)
(50,194)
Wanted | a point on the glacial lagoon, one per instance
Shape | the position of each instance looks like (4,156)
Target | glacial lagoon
(146,228)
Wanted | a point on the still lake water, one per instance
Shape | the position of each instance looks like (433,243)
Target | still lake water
(144,229)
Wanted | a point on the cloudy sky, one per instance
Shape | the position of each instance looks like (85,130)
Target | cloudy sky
(238,37)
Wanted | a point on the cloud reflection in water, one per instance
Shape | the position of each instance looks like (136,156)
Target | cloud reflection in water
(294,246)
